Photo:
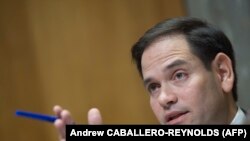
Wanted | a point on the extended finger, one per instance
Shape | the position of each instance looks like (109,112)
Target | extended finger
(94,116)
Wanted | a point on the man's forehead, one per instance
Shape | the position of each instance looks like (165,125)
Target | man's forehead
(167,44)
(165,49)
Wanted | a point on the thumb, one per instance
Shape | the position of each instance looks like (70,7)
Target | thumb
(94,117)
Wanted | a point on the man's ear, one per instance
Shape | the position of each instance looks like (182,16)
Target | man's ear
(224,70)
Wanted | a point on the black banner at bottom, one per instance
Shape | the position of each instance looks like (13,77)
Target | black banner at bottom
(78,132)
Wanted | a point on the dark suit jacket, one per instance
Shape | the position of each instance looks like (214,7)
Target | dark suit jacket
(248,116)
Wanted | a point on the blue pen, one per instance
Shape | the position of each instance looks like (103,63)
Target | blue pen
(36,116)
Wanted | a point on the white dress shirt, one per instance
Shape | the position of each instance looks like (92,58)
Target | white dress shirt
(239,118)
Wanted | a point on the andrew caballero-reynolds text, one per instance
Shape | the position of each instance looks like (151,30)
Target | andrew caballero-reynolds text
(170,132)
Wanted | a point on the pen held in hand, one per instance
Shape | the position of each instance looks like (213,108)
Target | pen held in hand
(36,116)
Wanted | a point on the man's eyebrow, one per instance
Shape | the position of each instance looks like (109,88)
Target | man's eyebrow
(175,64)
(170,66)
(146,81)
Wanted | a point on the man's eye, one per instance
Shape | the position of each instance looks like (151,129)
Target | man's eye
(152,88)
(180,76)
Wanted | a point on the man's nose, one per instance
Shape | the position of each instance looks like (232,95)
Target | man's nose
(167,98)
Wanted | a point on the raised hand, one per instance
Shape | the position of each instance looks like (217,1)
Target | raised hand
(65,118)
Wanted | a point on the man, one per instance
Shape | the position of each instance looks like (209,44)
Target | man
(188,69)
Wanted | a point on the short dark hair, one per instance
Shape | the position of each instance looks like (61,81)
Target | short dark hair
(205,41)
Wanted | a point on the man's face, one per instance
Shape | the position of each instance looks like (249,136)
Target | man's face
(182,90)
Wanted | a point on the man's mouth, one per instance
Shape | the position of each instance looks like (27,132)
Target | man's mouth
(175,117)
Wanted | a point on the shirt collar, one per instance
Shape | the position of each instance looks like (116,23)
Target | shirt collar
(239,118)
